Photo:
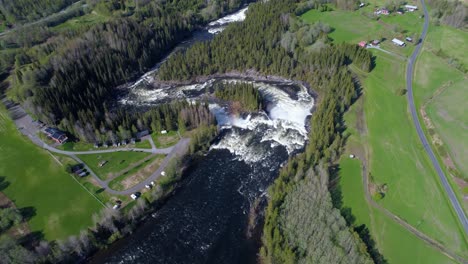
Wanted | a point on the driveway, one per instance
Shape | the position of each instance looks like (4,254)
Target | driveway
(25,125)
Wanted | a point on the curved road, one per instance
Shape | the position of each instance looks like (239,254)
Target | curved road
(25,125)
(409,85)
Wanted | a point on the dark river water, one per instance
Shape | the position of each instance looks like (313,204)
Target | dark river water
(206,220)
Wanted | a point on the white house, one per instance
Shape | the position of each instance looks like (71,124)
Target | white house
(398,42)
(411,8)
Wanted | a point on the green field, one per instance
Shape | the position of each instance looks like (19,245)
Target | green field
(442,88)
(395,243)
(397,159)
(357,26)
(82,21)
(143,144)
(395,156)
(76,146)
(116,162)
(36,180)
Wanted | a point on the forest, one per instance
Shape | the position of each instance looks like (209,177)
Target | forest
(242,97)
(301,224)
(69,79)
(452,13)
(20,11)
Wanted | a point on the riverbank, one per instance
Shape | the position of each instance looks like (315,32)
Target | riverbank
(141,224)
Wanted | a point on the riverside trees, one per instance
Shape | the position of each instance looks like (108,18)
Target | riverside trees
(29,10)
(67,79)
(301,224)
(242,96)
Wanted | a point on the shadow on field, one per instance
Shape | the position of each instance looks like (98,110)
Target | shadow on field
(3,183)
(28,212)
(346,212)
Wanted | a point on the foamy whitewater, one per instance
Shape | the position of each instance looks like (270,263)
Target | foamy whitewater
(213,28)
(219,25)
(282,123)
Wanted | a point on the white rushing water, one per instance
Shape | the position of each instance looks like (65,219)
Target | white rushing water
(236,17)
(214,27)
(282,124)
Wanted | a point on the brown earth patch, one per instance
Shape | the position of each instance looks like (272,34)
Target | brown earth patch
(360,118)
(141,174)
(16,231)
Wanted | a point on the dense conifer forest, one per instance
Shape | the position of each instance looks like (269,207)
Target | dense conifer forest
(243,97)
(68,79)
(19,11)
(301,224)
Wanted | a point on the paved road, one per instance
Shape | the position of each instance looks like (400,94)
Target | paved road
(427,147)
(25,125)
(44,19)
(178,150)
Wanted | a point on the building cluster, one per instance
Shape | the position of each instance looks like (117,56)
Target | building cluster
(384,11)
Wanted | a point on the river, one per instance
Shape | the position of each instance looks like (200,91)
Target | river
(206,220)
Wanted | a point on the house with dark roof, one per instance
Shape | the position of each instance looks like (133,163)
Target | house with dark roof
(142,134)
(56,135)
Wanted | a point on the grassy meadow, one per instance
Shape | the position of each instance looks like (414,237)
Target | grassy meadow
(441,87)
(398,160)
(34,180)
(360,25)
(395,243)
(116,162)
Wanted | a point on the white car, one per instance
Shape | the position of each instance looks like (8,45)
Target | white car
(133,196)
(163,173)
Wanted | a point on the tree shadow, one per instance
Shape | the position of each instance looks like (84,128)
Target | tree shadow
(373,63)
(31,238)
(365,235)
(347,213)
(100,191)
(3,183)
(28,212)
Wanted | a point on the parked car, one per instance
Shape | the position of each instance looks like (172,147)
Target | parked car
(135,196)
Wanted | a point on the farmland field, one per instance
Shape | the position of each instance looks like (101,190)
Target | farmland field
(441,88)
(359,25)
(34,180)
(395,158)
(396,244)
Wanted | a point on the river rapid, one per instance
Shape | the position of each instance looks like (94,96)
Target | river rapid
(207,219)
